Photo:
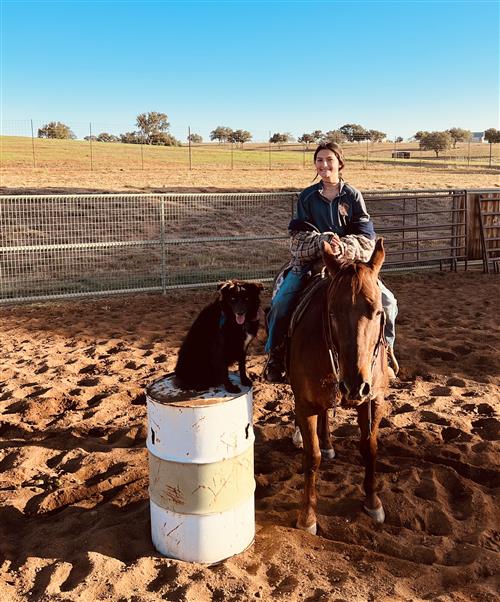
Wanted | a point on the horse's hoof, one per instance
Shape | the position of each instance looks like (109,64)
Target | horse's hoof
(328,454)
(311,529)
(297,438)
(377,514)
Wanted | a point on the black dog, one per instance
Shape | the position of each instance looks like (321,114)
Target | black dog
(219,336)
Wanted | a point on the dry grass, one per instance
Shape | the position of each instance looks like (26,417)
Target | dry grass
(372,177)
(65,165)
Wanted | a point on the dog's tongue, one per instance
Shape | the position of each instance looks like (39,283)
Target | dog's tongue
(240,318)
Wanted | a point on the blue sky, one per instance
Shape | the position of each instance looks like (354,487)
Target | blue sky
(262,66)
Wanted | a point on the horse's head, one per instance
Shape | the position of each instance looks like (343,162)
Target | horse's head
(357,319)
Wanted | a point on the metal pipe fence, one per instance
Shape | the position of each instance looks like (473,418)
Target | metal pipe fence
(88,245)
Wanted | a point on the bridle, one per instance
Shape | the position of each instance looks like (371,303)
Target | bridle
(334,357)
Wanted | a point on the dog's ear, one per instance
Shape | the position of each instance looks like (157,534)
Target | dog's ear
(257,286)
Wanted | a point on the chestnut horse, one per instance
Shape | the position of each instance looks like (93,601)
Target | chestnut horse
(337,354)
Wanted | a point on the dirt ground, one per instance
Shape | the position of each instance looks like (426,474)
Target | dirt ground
(370,177)
(74,513)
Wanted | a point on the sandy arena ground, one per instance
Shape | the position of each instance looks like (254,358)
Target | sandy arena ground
(74,513)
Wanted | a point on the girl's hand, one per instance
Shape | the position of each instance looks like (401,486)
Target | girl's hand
(336,245)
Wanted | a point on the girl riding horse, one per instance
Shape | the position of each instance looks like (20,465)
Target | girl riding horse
(330,211)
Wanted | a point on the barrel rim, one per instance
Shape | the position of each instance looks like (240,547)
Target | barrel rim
(203,402)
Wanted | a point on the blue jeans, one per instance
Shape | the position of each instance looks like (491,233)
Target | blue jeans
(286,299)
(390,306)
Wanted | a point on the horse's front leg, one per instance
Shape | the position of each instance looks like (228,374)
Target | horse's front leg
(325,438)
(368,448)
(311,462)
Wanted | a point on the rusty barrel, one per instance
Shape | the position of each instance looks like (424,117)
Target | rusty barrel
(201,475)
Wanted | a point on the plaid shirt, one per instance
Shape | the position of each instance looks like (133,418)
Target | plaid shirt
(306,248)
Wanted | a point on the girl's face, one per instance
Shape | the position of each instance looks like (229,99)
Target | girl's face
(327,165)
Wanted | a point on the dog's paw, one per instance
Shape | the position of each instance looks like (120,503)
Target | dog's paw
(230,388)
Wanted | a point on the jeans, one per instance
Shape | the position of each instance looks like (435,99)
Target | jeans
(390,306)
(285,301)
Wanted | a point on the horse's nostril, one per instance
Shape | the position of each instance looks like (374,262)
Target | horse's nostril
(343,388)
(365,389)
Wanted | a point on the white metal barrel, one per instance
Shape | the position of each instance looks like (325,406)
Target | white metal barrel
(201,475)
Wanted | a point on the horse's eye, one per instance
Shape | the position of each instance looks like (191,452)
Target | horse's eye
(379,313)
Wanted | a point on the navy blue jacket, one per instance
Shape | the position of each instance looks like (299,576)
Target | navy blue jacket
(345,215)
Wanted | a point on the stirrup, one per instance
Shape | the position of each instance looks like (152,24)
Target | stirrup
(273,374)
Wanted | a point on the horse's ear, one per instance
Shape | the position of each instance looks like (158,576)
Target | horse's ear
(223,285)
(378,256)
(330,259)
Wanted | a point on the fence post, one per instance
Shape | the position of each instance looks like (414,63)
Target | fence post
(474,250)
(163,246)
(189,144)
(33,143)
(90,140)
(269,149)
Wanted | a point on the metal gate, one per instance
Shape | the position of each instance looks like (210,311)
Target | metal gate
(87,245)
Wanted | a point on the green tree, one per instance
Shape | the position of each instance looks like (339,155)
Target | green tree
(151,125)
(164,139)
(317,136)
(398,139)
(376,136)
(240,137)
(436,141)
(492,135)
(306,139)
(280,139)
(132,138)
(56,129)
(221,133)
(354,132)
(105,137)
(334,136)
(459,135)
(419,135)
(195,138)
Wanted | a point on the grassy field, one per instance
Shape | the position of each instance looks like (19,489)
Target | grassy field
(69,166)
(22,152)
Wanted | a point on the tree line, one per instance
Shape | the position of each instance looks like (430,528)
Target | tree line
(153,129)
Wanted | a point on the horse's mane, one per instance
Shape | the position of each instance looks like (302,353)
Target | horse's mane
(350,274)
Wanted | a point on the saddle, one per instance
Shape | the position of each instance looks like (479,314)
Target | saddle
(318,281)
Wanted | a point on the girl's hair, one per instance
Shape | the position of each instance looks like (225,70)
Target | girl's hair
(336,150)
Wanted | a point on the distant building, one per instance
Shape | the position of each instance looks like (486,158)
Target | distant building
(477,137)
(401,155)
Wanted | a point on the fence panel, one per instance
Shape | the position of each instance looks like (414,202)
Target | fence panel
(64,246)
(421,227)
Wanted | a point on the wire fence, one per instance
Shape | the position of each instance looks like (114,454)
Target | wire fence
(68,246)
(21,148)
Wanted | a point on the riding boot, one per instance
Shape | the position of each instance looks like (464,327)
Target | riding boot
(393,362)
(274,372)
